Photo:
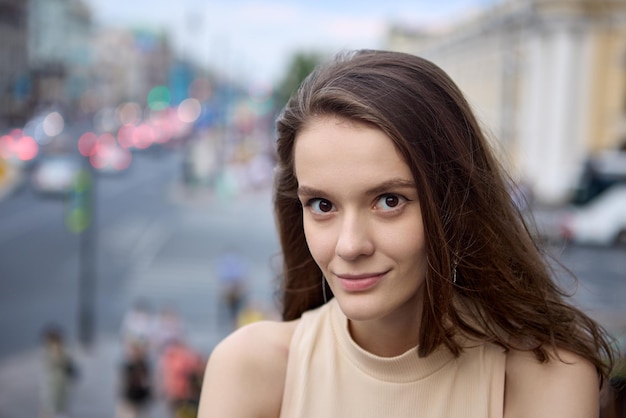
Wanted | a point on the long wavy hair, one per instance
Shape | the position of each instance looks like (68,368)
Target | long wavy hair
(504,291)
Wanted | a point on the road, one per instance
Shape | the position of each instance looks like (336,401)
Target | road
(600,288)
(155,241)
(39,257)
(152,241)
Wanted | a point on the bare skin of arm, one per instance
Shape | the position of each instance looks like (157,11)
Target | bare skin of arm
(556,389)
(245,374)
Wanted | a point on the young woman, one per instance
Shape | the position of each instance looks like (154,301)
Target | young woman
(411,285)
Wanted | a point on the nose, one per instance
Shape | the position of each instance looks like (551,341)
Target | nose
(355,238)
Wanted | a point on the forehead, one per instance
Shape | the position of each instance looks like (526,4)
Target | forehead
(332,148)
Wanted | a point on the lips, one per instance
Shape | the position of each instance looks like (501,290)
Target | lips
(359,282)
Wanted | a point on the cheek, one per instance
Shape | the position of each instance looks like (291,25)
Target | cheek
(403,248)
(320,243)
(406,242)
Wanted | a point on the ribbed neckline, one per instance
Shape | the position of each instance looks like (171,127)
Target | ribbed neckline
(406,367)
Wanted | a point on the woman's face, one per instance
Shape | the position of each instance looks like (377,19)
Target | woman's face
(362,218)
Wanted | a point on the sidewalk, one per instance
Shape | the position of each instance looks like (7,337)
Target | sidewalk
(95,393)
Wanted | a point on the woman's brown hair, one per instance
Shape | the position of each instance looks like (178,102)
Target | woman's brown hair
(504,291)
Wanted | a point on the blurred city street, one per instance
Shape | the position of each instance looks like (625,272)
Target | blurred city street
(137,153)
(156,241)
(160,241)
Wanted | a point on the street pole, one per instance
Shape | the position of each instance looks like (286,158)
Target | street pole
(85,223)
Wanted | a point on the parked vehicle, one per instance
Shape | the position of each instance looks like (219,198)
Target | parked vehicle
(55,174)
(602,221)
(111,159)
(600,172)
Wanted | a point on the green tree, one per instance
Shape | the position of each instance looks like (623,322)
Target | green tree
(301,65)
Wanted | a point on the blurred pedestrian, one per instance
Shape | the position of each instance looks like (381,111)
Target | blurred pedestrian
(59,374)
(188,408)
(138,324)
(168,327)
(232,273)
(135,382)
(179,367)
(411,286)
(251,312)
(260,171)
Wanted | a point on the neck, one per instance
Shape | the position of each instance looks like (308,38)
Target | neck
(387,337)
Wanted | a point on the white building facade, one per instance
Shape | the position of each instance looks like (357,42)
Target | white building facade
(547,78)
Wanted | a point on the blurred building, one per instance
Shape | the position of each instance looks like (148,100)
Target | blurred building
(14,80)
(129,64)
(547,78)
(59,37)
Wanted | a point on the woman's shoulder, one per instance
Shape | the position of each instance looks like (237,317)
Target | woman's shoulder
(245,373)
(269,334)
(565,386)
(259,345)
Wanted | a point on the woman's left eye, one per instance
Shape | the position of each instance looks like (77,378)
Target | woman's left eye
(390,201)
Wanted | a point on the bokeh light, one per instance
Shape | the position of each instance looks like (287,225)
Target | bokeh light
(53,124)
(162,128)
(159,98)
(87,143)
(129,112)
(27,148)
(125,135)
(110,156)
(189,110)
(17,146)
(143,136)
(34,128)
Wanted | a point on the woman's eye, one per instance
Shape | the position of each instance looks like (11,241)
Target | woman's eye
(390,201)
(320,205)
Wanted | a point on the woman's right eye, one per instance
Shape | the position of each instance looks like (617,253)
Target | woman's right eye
(319,205)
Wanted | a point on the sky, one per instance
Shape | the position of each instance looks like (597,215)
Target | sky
(255,39)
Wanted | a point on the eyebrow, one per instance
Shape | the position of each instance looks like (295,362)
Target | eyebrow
(376,190)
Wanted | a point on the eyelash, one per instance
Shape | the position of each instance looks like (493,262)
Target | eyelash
(311,202)
(401,200)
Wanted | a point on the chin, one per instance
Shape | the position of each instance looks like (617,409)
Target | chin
(360,307)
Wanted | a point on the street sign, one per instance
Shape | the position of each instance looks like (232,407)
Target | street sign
(80,203)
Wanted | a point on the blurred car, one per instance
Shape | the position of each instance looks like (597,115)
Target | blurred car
(111,159)
(105,153)
(55,174)
(600,172)
(602,221)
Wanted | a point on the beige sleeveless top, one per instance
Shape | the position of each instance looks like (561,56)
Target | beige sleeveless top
(329,375)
